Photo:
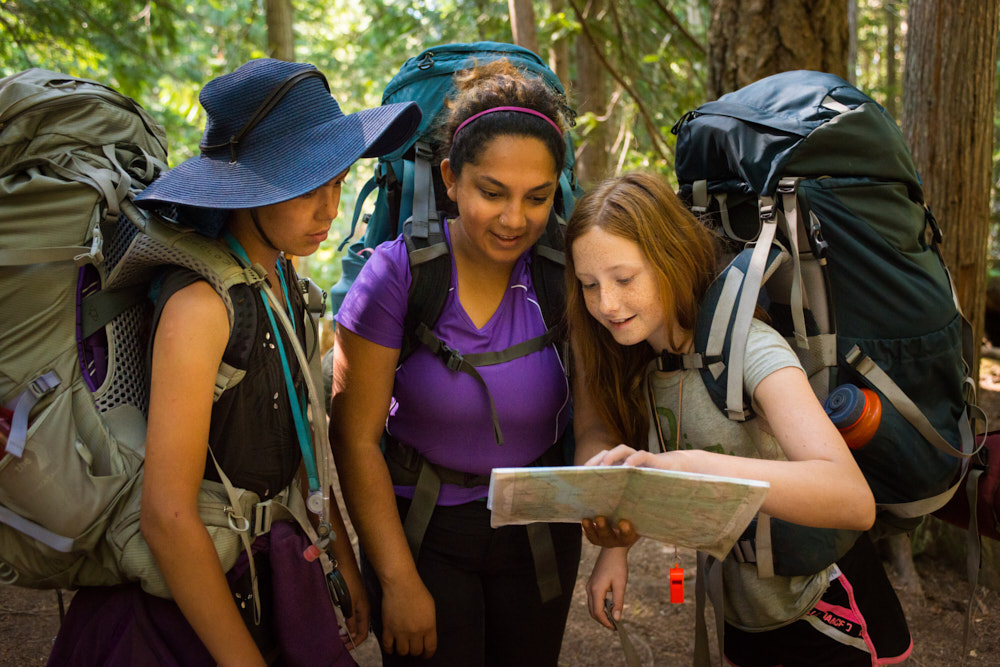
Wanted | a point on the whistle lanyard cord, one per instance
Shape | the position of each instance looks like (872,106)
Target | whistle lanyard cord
(298,418)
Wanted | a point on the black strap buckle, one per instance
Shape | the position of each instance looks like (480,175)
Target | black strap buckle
(453,359)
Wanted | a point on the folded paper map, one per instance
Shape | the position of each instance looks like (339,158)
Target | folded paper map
(703,512)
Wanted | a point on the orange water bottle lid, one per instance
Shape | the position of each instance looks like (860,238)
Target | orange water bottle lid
(855,412)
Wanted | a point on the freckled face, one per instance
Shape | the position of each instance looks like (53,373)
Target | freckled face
(620,289)
(503,199)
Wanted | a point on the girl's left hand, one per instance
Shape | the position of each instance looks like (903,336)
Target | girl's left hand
(610,575)
(626,456)
(611,457)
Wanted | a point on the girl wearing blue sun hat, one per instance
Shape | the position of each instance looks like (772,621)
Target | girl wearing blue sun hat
(275,151)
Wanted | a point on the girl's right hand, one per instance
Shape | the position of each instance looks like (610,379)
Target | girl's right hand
(610,574)
(409,621)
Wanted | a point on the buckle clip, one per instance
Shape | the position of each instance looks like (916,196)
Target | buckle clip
(453,359)
(238,523)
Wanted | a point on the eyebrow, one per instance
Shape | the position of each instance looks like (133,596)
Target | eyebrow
(500,184)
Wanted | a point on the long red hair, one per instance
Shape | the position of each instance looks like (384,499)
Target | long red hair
(641,208)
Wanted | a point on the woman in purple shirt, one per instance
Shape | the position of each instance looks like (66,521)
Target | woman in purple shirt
(471,596)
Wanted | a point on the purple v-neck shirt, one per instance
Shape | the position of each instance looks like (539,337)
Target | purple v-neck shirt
(445,415)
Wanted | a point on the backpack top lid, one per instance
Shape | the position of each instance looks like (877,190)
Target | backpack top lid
(427,79)
(798,123)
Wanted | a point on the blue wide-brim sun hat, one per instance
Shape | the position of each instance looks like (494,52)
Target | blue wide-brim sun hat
(274,132)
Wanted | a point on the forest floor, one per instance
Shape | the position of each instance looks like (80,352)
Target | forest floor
(662,633)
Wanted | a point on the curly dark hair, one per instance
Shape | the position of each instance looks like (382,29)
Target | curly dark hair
(496,84)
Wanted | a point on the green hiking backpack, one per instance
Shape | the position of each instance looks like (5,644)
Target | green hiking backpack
(76,262)
(812,185)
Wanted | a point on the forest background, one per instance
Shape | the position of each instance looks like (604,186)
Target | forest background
(632,68)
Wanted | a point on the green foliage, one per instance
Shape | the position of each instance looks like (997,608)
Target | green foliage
(655,53)
(161,52)
(874,62)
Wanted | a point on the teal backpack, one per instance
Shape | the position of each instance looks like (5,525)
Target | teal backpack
(810,183)
(408,184)
(77,259)
(410,199)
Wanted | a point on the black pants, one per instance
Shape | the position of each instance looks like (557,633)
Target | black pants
(489,610)
(857,622)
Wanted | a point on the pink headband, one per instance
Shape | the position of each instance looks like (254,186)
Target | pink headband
(518,109)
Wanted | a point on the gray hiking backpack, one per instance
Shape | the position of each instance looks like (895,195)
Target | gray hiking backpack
(76,261)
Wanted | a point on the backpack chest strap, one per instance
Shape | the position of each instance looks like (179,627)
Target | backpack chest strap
(467,363)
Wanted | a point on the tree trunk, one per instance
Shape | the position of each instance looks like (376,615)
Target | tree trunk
(522,23)
(852,42)
(948,102)
(891,30)
(559,47)
(592,96)
(751,39)
(280,37)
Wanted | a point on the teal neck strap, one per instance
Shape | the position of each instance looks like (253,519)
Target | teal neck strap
(297,408)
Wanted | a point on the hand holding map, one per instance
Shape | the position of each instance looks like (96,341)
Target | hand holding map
(703,512)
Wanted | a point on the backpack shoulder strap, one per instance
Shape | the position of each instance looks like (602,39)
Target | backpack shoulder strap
(548,265)
(733,292)
(430,278)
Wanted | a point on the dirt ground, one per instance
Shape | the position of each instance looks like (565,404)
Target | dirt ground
(662,633)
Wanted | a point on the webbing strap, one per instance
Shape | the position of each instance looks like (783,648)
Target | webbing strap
(424,203)
(456,361)
(864,365)
(241,525)
(628,648)
(515,351)
(724,216)
(710,571)
(227,378)
(405,463)
(699,195)
(24,256)
(762,547)
(55,541)
(99,308)
(543,552)
(787,188)
(366,190)
(744,313)
(425,496)
(720,319)
(22,406)
(419,256)
(566,191)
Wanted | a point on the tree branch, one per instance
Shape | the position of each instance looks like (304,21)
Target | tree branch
(680,27)
(654,132)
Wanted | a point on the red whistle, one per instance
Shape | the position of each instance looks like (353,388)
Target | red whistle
(677,584)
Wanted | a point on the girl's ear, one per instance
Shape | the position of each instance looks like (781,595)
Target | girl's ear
(450,179)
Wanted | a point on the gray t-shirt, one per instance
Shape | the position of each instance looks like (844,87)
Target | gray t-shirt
(752,604)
